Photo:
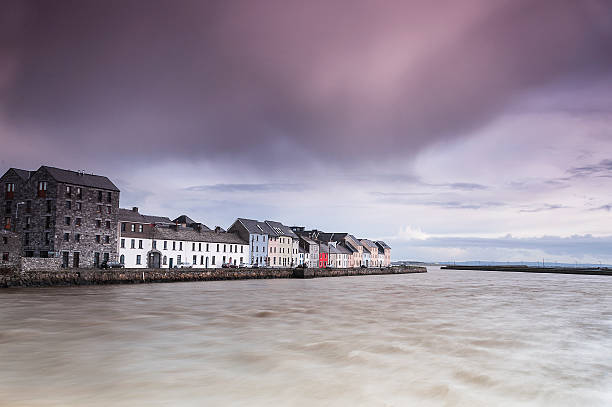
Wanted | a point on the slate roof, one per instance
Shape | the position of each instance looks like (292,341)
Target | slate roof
(307,240)
(353,241)
(191,235)
(256,227)
(128,215)
(86,180)
(23,174)
(382,245)
(280,229)
(332,237)
(184,219)
(344,250)
(323,248)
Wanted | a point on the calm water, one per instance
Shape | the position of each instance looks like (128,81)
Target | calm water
(446,338)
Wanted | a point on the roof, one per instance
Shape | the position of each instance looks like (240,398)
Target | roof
(323,248)
(256,227)
(301,250)
(23,174)
(343,250)
(184,219)
(307,240)
(76,178)
(353,241)
(332,237)
(129,215)
(382,245)
(192,235)
(281,230)
(370,244)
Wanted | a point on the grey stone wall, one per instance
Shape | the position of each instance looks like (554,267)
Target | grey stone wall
(138,276)
(10,244)
(34,264)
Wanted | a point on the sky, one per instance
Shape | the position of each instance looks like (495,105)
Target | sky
(472,130)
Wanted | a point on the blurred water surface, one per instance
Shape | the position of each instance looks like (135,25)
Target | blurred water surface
(445,338)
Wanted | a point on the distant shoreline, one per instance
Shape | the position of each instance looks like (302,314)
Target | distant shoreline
(527,269)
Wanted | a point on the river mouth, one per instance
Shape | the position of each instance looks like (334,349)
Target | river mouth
(453,338)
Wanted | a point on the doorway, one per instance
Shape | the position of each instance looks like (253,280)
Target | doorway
(171,262)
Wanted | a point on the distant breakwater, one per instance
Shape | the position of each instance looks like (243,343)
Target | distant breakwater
(527,269)
(138,276)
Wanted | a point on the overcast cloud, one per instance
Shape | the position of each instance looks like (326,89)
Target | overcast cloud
(463,119)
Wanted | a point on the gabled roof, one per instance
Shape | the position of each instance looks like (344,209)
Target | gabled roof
(256,227)
(76,178)
(192,235)
(382,245)
(129,215)
(368,243)
(343,250)
(23,174)
(280,229)
(307,240)
(353,241)
(184,219)
(332,237)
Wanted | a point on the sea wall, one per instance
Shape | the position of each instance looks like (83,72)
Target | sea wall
(137,276)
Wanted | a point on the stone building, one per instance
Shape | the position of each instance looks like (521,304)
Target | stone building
(10,248)
(61,213)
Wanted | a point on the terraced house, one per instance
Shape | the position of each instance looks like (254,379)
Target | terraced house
(62,213)
(156,242)
(257,234)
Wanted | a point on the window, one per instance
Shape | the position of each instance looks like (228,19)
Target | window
(49,205)
(109,209)
(140,244)
(178,259)
(99,208)
(165,261)
(28,206)
(9,191)
(4,240)
(97,238)
(99,196)
(5,256)
(235,248)
(123,243)
(201,260)
(78,221)
(42,189)
(223,259)
(68,191)
(8,207)
(193,247)
(109,197)
(67,220)
(28,222)
(108,224)
(68,204)
(155,244)
(122,259)
(140,228)
(224,249)
(133,243)
(107,239)
(133,228)
(79,193)
(66,237)
(48,241)
(78,206)
(230,248)
(206,246)
(138,259)
(241,249)
(173,245)
(123,226)
(195,260)
(199,247)
(47,222)
(213,260)
(98,223)
(96,259)
(165,245)
(27,239)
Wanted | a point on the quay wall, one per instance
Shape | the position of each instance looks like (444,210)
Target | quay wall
(67,277)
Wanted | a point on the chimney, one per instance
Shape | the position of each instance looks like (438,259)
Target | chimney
(217,229)
(135,209)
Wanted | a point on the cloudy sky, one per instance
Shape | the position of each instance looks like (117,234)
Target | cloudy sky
(454,130)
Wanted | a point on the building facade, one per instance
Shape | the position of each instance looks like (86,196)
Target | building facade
(258,235)
(61,213)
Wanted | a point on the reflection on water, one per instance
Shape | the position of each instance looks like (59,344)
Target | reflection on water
(453,338)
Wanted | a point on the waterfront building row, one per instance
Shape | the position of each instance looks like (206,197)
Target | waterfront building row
(76,216)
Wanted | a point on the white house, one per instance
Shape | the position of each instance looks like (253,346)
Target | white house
(258,235)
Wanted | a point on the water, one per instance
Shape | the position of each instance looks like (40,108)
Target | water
(445,338)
